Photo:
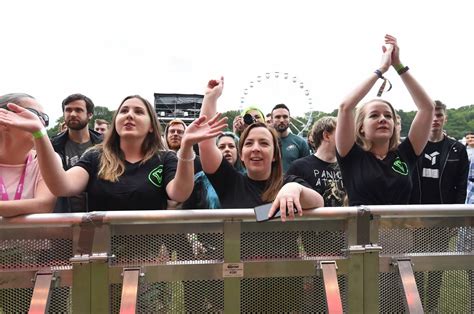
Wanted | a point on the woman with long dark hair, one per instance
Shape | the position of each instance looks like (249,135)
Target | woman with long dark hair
(130,169)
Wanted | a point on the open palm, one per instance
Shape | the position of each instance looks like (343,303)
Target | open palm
(19,117)
(201,129)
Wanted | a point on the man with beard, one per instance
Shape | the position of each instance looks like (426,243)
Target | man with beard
(292,146)
(174,134)
(71,144)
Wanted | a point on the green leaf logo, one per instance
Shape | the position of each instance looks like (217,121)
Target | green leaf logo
(156,176)
(400,167)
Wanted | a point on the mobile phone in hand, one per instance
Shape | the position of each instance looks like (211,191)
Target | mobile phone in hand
(261,212)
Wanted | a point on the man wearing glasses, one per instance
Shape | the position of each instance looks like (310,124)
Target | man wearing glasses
(70,145)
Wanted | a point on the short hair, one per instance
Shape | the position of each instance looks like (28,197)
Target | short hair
(439,105)
(327,124)
(469,133)
(69,99)
(280,106)
(101,121)
(14,98)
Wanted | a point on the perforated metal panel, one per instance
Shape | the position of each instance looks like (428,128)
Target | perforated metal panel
(140,249)
(287,295)
(440,292)
(203,296)
(34,253)
(291,244)
(421,240)
(18,300)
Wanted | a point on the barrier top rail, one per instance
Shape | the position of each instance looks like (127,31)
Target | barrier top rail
(218,215)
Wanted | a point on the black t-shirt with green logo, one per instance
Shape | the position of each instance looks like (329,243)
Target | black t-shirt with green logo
(142,186)
(371,181)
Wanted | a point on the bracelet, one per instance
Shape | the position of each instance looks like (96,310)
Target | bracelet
(385,80)
(379,74)
(403,70)
(40,133)
(398,67)
(178,153)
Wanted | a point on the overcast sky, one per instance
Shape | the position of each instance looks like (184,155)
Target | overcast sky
(110,49)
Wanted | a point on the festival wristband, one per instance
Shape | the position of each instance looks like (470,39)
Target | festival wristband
(40,133)
(398,67)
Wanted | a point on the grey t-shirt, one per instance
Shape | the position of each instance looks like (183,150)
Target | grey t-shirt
(74,152)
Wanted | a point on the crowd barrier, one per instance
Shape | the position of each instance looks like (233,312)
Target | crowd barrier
(368,259)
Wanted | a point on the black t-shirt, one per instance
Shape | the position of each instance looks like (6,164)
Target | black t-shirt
(370,181)
(142,186)
(323,177)
(430,173)
(237,190)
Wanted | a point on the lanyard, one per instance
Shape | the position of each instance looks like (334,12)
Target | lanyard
(19,188)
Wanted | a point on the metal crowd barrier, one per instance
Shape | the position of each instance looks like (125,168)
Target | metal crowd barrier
(373,259)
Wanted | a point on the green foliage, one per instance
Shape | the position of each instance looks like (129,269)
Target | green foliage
(230,118)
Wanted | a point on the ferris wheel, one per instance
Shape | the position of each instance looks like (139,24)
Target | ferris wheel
(276,81)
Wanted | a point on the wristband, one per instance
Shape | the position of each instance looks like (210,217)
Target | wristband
(385,80)
(403,70)
(398,67)
(178,153)
(40,133)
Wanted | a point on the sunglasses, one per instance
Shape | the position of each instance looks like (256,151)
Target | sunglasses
(43,116)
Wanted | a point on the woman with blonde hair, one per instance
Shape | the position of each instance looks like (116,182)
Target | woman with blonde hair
(376,169)
(130,169)
(23,189)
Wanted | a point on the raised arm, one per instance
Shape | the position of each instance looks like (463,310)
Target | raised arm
(43,202)
(179,189)
(59,182)
(421,125)
(345,128)
(210,155)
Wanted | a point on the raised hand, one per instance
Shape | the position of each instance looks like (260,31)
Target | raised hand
(386,58)
(390,40)
(18,117)
(200,130)
(214,88)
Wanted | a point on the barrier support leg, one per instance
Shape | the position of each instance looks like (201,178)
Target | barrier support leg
(331,286)
(128,303)
(410,291)
(41,292)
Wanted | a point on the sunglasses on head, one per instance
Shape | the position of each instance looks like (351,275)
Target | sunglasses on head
(43,116)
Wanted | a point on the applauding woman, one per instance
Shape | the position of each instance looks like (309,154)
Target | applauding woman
(376,170)
(260,155)
(131,169)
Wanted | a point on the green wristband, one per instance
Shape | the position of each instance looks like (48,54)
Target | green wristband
(398,67)
(40,133)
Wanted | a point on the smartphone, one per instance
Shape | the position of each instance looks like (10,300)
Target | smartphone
(261,212)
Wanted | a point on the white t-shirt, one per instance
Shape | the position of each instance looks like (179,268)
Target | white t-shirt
(11,177)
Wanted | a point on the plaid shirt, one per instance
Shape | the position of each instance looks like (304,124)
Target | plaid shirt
(470,184)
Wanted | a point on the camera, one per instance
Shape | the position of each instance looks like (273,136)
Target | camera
(249,119)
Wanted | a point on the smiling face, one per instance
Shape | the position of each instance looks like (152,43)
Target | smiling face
(174,136)
(257,153)
(226,145)
(133,120)
(377,123)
